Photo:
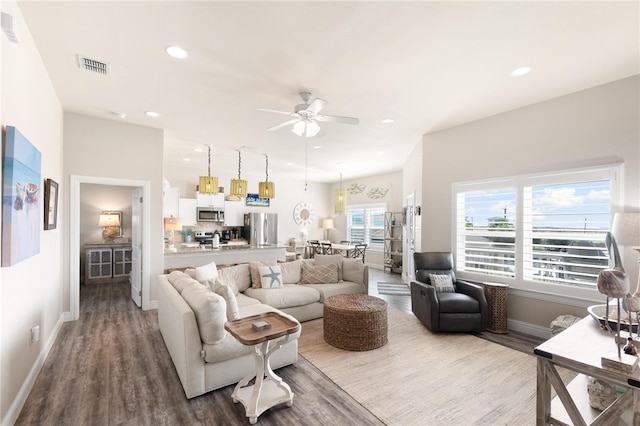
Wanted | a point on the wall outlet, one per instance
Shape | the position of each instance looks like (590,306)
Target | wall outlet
(35,333)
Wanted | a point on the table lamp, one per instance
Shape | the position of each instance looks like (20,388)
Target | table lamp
(626,229)
(327,225)
(172,224)
(111,225)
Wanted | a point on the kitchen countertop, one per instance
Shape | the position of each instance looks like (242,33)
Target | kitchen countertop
(225,255)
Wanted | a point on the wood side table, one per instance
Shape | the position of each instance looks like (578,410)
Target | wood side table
(268,389)
(496,294)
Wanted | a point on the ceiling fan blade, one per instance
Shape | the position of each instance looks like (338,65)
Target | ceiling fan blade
(336,119)
(277,111)
(317,105)
(285,124)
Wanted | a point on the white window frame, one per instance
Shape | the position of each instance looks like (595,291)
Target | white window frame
(366,207)
(573,295)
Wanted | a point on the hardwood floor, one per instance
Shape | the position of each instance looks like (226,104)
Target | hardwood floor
(112,367)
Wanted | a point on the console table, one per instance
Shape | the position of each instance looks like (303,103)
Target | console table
(580,348)
(109,262)
(268,389)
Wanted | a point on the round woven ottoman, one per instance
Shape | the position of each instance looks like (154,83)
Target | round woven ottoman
(355,322)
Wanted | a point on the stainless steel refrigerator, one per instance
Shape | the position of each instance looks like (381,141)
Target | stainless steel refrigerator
(261,229)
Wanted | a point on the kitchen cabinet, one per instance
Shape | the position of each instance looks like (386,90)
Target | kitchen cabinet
(170,201)
(107,263)
(210,200)
(187,210)
(233,213)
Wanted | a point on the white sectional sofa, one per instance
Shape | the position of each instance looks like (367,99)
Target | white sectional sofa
(194,305)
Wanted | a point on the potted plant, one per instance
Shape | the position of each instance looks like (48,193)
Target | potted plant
(187,234)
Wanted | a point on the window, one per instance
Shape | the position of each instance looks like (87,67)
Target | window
(537,230)
(365,223)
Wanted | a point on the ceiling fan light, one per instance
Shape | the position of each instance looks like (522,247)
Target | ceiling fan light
(266,190)
(208,185)
(299,128)
(312,129)
(238,187)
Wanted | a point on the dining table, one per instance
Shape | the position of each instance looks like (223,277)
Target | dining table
(345,249)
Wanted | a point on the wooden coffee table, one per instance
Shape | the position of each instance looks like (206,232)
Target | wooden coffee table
(269,389)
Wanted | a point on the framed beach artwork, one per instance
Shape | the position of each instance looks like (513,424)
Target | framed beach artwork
(20,198)
(50,204)
(255,200)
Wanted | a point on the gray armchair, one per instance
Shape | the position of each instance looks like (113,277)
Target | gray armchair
(464,310)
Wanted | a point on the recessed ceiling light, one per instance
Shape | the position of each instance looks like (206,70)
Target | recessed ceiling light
(518,72)
(176,52)
(387,120)
(186,159)
(152,113)
(197,149)
(120,115)
(289,164)
(317,146)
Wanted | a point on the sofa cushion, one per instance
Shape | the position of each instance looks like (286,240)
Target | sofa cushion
(291,272)
(330,259)
(443,283)
(207,274)
(353,270)
(237,277)
(230,299)
(231,348)
(319,274)
(254,267)
(180,280)
(270,277)
(288,296)
(328,290)
(210,310)
(244,300)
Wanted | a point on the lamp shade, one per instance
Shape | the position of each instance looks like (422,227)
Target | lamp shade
(626,228)
(328,224)
(266,190)
(208,185)
(109,220)
(340,201)
(238,187)
(172,224)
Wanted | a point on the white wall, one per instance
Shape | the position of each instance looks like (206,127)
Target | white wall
(135,153)
(31,291)
(591,127)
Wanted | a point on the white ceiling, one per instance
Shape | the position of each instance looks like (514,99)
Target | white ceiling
(427,65)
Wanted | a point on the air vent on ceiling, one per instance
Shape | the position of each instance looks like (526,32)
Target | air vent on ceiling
(93,65)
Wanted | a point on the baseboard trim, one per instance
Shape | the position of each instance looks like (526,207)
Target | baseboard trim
(527,328)
(25,389)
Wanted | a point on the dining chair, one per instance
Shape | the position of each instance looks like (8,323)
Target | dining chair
(315,248)
(345,242)
(326,248)
(359,251)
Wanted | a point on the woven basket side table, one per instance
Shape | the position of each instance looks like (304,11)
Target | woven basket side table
(496,294)
(355,322)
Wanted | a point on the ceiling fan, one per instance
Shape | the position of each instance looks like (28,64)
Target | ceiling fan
(305,117)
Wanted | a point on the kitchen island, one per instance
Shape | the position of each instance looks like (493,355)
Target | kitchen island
(225,255)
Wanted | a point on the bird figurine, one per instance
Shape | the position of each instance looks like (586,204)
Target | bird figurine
(613,282)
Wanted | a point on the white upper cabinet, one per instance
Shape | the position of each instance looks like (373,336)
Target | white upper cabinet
(188,211)
(210,200)
(233,213)
(170,202)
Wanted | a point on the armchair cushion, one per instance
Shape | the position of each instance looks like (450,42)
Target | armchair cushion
(442,283)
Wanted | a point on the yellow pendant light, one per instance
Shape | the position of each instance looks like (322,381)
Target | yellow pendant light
(266,189)
(208,184)
(239,186)
(340,199)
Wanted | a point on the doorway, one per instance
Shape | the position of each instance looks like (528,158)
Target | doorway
(74,236)
(411,237)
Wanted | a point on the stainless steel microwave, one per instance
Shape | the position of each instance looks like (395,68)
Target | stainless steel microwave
(210,214)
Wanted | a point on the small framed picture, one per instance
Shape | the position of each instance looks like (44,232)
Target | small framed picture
(255,200)
(50,204)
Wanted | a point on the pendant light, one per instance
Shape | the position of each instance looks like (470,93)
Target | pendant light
(266,189)
(239,186)
(340,199)
(208,184)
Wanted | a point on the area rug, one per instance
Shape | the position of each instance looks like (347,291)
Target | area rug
(394,289)
(420,378)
